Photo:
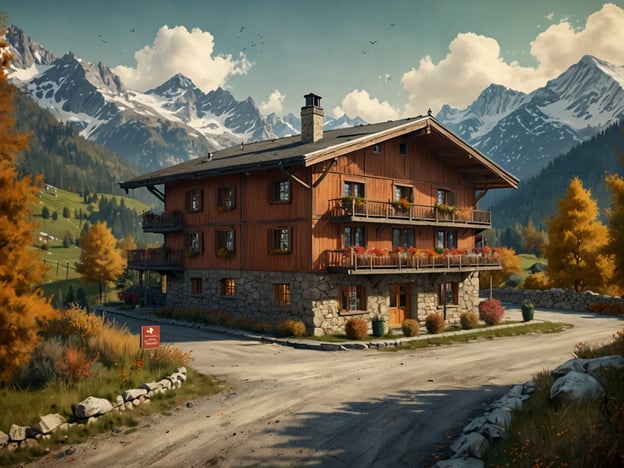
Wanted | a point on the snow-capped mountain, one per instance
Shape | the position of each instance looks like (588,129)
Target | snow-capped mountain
(524,132)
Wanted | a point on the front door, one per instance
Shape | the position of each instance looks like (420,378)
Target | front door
(399,304)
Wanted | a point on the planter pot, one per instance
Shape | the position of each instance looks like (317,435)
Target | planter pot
(379,328)
(528,311)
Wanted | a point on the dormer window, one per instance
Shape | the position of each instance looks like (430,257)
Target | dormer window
(403,149)
(377,148)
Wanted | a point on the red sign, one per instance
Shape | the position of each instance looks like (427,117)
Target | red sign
(150,336)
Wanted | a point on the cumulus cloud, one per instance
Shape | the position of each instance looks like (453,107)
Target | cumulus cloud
(274,104)
(178,50)
(358,103)
(474,61)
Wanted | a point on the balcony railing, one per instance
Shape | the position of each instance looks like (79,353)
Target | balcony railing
(162,222)
(375,211)
(376,261)
(158,259)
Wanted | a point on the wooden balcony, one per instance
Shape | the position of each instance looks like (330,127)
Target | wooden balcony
(375,211)
(163,222)
(159,259)
(377,262)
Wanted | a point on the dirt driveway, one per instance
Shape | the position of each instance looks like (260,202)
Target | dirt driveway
(293,407)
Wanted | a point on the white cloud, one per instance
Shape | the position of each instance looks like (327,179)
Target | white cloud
(177,50)
(358,103)
(273,104)
(474,61)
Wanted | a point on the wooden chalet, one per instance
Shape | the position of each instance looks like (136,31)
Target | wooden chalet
(373,220)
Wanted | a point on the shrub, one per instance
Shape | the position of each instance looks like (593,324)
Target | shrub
(356,328)
(41,368)
(74,364)
(469,320)
(491,311)
(435,323)
(514,280)
(410,327)
(537,281)
(606,308)
(290,328)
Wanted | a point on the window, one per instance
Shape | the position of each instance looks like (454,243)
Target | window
(225,243)
(196,285)
(445,197)
(194,243)
(280,240)
(403,149)
(228,286)
(351,298)
(377,148)
(448,293)
(354,236)
(282,294)
(403,193)
(403,237)
(280,191)
(194,200)
(226,198)
(353,189)
(446,239)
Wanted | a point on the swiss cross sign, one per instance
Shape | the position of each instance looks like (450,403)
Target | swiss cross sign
(150,336)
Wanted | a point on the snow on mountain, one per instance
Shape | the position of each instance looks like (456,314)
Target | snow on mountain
(524,132)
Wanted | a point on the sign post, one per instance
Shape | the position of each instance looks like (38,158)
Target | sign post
(150,336)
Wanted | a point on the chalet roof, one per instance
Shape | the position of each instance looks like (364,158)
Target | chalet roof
(291,151)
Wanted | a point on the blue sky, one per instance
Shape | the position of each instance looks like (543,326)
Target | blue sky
(376,59)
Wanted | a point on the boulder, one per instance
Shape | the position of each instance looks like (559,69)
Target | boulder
(18,433)
(4,438)
(574,387)
(500,417)
(133,394)
(596,365)
(464,462)
(470,445)
(576,365)
(49,423)
(92,406)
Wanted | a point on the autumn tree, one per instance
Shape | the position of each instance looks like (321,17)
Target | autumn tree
(510,265)
(615,215)
(23,309)
(576,242)
(100,260)
(532,239)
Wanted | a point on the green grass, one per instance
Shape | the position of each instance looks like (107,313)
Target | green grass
(24,408)
(57,290)
(544,434)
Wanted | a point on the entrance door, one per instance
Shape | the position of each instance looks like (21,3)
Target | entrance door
(399,304)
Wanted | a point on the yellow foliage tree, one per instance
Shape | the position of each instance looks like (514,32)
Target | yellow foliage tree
(23,309)
(100,260)
(575,251)
(615,246)
(510,265)
(533,240)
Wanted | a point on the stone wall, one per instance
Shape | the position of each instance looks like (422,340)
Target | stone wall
(314,297)
(552,298)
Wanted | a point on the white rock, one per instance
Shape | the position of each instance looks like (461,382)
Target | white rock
(92,406)
(49,423)
(576,386)
(499,417)
(17,433)
(576,365)
(133,393)
(470,445)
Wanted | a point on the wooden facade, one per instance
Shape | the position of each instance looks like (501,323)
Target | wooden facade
(378,200)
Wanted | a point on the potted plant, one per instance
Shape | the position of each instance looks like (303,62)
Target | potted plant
(350,201)
(380,326)
(528,311)
(401,205)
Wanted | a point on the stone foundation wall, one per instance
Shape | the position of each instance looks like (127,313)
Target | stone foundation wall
(552,298)
(314,297)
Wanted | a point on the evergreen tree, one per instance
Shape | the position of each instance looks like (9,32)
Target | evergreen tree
(66,212)
(45,212)
(576,243)
(68,240)
(23,309)
(100,260)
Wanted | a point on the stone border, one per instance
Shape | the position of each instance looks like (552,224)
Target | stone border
(86,412)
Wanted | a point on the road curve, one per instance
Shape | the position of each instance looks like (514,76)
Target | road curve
(290,407)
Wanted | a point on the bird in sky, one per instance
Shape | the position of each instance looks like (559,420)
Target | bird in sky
(373,42)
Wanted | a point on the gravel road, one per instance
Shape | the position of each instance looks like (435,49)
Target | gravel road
(290,407)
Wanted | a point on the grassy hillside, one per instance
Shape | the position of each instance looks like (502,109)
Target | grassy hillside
(50,233)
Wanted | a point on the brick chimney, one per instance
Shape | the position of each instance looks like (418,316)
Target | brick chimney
(312,119)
